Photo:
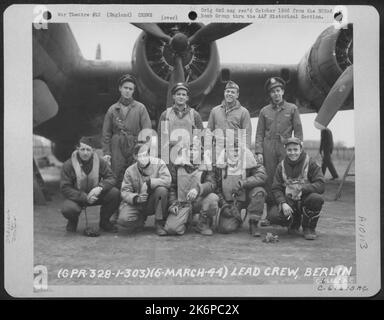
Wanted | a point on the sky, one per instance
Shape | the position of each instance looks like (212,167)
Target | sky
(275,43)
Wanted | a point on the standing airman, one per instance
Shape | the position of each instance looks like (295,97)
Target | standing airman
(122,124)
(276,123)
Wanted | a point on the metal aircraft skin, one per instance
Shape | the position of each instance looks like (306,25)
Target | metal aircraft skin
(71,94)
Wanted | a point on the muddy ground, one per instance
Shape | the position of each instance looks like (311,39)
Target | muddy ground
(110,255)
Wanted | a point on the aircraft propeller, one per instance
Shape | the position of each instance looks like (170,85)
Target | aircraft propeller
(153,29)
(335,98)
(215,31)
(181,44)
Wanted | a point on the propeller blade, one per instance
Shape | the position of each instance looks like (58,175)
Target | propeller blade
(176,76)
(44,104)
(215,31)
(335,98)
(153,29)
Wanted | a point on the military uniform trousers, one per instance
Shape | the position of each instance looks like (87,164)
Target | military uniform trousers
(134,216)
(274,153)
(109,203)
(311,202)
(121,155)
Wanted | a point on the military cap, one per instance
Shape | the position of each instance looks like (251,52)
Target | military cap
(273,83)
(127,78)
(292,140)
(178,86)
(91,141)
(232,85)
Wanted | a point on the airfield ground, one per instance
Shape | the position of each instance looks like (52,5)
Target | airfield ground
(58,250)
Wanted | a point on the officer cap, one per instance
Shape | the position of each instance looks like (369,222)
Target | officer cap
(90,141)
(178,86)
(292,140)
(232,85)
(127,78)
(273,83)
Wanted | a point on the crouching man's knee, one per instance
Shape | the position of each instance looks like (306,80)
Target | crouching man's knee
(161,192)
(313,202)
(112,195)
(70,209)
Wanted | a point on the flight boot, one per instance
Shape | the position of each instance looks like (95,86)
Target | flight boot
(309,223)
(203,225)
(72,224)
(254,228)
(160,231)
(294,226)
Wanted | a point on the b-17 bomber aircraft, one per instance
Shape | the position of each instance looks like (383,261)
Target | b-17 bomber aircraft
(71,94)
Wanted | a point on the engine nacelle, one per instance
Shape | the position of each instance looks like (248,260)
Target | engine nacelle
(152,66)
(330,55)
